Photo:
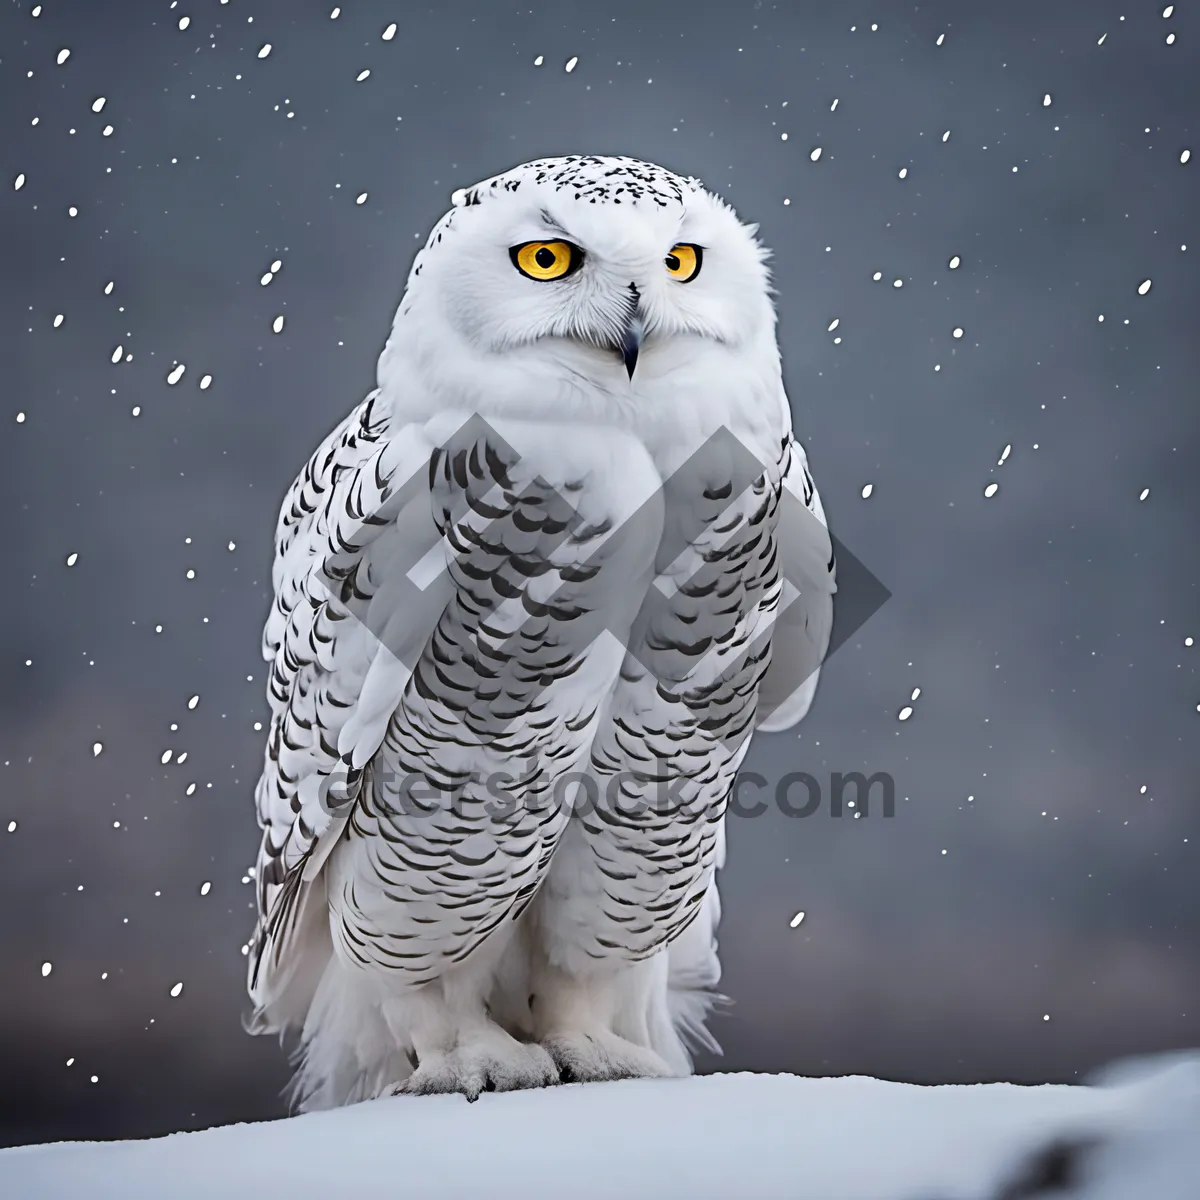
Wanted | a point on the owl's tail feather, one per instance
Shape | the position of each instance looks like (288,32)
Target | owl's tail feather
(346,1051)
(343,1050)
(693,973)
(289,953)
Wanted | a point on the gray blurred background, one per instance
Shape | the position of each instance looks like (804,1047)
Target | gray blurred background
(1041,862)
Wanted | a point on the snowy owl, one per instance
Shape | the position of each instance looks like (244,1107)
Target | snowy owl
(529,606)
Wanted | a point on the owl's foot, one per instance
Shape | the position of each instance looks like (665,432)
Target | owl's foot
(486,1062)
(595,1057)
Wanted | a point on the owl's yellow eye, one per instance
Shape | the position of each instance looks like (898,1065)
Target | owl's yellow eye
(546,260)
(684,261)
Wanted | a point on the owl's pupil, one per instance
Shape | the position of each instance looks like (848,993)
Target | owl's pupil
(544,258)
(672,262)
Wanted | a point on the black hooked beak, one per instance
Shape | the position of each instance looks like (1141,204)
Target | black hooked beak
(631,336)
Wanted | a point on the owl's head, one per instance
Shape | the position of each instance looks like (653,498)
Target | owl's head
(583,265)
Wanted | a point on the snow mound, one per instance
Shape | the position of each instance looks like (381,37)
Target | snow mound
(1133,1135)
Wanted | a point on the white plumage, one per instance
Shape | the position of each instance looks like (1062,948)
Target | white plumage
(531,598)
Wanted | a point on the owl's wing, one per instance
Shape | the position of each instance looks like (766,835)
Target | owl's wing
(802,630)
(337,641)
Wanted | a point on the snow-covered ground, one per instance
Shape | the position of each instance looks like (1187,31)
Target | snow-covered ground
(749,1137)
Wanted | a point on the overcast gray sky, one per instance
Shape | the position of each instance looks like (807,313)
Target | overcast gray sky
(1042,859)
